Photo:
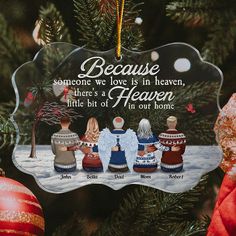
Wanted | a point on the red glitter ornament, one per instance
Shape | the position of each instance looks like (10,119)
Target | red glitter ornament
(20,211)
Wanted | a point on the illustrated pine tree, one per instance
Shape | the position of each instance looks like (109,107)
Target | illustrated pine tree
(153,212)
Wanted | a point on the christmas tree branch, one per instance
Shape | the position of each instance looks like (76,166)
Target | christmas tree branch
(147,211)
(218,17)
(200,12)
(221,42)
(52,27)
(7,132)
(120,223)
(87,16)
(172,209)
(96,22)
(12,54)
(75,226)
(189,228)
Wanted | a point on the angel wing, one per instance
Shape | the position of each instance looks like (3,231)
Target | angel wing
(129,143)
(105,143)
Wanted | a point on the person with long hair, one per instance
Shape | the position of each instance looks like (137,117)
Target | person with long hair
(146,160)
(91,160)
(88,145)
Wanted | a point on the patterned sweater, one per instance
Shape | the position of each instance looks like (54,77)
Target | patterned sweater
(65,137)
(170,138)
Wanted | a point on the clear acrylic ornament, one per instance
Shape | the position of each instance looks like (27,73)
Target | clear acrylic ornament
(145,119)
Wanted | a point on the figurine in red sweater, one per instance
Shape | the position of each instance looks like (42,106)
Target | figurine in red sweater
(91,160)
(88,145)
(172,161)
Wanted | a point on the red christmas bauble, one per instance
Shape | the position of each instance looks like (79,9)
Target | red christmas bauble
(20,211)
(66,90)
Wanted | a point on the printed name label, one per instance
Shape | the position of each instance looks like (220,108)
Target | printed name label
(92,176)
(119,176)
(145,176)
(65,176)
(176,176)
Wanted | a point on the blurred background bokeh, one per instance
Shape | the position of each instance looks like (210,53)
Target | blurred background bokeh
(95,203)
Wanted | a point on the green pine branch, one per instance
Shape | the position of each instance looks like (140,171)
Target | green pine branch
(12,53)
(52,29)
(207,12)
(52,26)
(7,132)
(147,211)
(74,226)
(7,129)
(96,21)
(189,228)
(217,17)
(202,131)
(172,209)
(88,23)
(202,95)
(221,42)
(121,222)
(192,93)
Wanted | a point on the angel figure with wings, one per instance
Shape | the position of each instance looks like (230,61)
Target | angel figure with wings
(118,148)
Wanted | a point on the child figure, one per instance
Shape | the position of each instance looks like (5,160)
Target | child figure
(64,161)
(148,144)
(172,161)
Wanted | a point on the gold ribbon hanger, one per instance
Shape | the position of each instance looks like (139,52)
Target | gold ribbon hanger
(119,20)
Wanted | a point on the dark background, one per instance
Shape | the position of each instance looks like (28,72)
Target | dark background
(157,28)
(96,202)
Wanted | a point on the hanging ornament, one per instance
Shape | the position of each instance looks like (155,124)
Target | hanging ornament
(20,211)
(168,93)
(225,129)
(223,221)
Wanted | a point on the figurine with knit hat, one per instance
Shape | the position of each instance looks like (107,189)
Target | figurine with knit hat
(172,161)
(118,148)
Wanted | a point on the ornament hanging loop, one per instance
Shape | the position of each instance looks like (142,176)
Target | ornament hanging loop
(119,20)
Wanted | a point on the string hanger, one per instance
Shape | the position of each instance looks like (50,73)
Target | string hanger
(119,20)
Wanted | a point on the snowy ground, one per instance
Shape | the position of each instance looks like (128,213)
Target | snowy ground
(198,160)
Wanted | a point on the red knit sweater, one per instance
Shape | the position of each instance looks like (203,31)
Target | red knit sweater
(170,138)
